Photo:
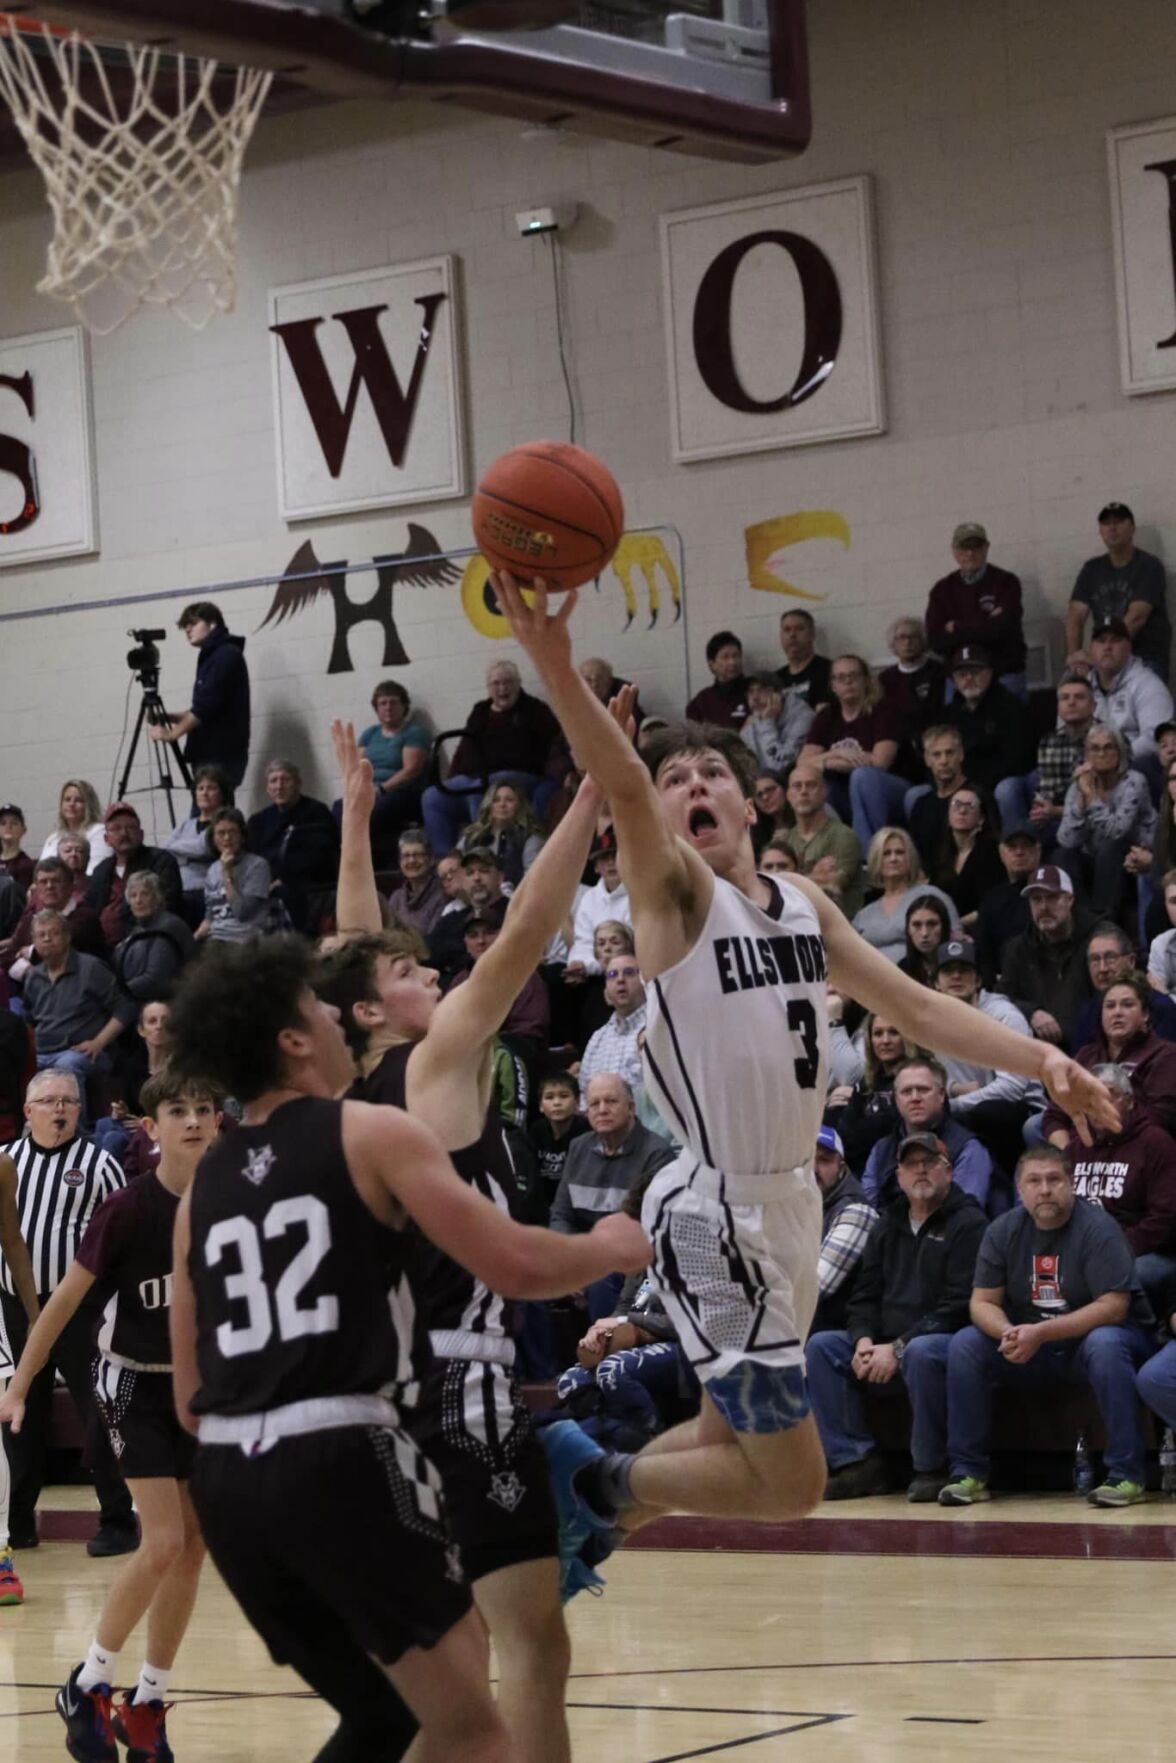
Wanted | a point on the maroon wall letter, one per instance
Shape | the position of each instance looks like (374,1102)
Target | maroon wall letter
(822,323)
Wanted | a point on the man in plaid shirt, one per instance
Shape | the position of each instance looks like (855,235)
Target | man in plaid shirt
(1057,755)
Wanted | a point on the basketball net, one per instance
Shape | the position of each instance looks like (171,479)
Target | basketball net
(141,163)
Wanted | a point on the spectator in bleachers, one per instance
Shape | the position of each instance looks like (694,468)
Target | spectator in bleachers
(420,899)
(1044,970)
(1132,1175)
(106,891)
(920,1100)
(915,683)
(1004,910)
(723,704)
(968,862)
(1126,1036)
(818,834)
(1124,583)
(397,748)
(1040,795)
(777,723)
(1156,1380)
(1150,867)
(238,889)
(299,840)
(1161,957)
(865,1111)
(510,737)
(525,1027)
(13,861)
(995,1105)
(778,857)
(910,1296)
(616,1046)
(805,673)
(846,1043)
(482,892)
(552,1132)
(609,898)
(1129,696)
(1056,1300)
(1108,810)
(506,826)
(73,1002)
(1110,955)
(979,603)
(995,726)
(847,1218)
(53,889)
(772,814)
(605,684)
(79,811)
(147,962)
(74,851)
(855,741)
(928,927)
(926,805)
(892,865)
(188,842)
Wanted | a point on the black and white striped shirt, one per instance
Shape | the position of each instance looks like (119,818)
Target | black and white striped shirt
(57,1194)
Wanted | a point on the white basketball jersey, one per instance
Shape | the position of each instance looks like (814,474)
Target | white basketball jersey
(737,1035)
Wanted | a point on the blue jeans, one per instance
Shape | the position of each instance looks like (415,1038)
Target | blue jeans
(1156,1273)
(81,1067)
(447,816)
(1156,1383)
(1014,798)
(1107,1359)
(867,798)
(839,1401)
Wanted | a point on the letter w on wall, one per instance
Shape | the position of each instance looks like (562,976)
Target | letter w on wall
(366,393)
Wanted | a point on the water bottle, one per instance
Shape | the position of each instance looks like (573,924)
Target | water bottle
(1084,1468)
(1168,1464)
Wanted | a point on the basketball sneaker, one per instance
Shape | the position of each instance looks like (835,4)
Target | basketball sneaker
(11,1590)
(141,1726)
(964,1490)
(89,1736)
(1117,1493)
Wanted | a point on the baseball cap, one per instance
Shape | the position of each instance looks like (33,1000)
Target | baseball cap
(605,845)
(969,532)
(479,854)
(958,949)
(1113,627)
(923,1141)
(491,920)
(11,808)
(829,1139)
(120,808)
(971,655)
(1115,511)
(1024,829)
(1049,879)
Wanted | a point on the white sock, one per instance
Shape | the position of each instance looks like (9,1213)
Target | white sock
(98,1667)
(152,1684)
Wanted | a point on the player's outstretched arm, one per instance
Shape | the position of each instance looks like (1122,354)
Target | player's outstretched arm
(44,1332)
(12,1245)
(182,1320)
(468,1016)
(652,861)
(357,903)
(391,1155)
(946,1025)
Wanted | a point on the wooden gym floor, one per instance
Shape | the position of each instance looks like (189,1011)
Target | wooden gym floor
(1027,1628)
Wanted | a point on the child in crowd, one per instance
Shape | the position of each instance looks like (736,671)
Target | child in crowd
(13,861)
(127,1249)
(551,1135)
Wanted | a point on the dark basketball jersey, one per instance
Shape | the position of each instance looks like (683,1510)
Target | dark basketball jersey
(128,1249)
(447,1296)
(298,1286)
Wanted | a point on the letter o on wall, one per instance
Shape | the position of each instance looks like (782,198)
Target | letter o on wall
(822,323)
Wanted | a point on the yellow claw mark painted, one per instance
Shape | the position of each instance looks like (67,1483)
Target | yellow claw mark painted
(479,603)
(646,552)
(763,540)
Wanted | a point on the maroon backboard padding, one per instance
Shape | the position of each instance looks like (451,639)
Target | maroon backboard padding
(340,58)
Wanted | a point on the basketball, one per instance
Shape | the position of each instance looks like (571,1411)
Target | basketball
(548,509)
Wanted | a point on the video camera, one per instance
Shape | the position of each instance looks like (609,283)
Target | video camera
(145,659)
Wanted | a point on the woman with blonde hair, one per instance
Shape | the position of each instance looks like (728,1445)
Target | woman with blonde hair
(855,740)
(864,1112)
(79,811)
(506,826)
(893,867)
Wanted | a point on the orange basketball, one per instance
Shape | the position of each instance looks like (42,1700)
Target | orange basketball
(548,509)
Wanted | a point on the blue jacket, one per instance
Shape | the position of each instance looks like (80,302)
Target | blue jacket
(971,1163)
(220,703)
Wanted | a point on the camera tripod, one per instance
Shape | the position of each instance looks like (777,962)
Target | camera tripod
(153,714)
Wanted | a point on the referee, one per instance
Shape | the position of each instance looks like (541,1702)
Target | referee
(62,1179)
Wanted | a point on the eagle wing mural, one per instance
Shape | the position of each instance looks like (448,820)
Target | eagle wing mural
(293,595)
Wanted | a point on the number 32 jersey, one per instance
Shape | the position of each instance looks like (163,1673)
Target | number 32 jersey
(737,1036)
(296,1282)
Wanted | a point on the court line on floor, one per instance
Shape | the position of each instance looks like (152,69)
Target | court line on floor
(908,1664)
(755,1738)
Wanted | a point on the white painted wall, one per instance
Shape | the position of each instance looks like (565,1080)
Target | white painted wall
(983,126)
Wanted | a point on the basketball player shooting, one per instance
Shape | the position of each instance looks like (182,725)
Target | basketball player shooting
(736,1058)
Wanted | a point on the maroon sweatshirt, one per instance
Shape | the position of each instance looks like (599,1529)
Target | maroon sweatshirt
(1133,1177)
(1152,1064)
(987,612)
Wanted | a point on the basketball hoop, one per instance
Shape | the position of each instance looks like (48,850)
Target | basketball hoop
(141,154)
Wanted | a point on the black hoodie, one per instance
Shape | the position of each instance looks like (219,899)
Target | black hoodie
(913,1284)
(220,702)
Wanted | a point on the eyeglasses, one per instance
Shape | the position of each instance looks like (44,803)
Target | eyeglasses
(622,973)
(54,1102)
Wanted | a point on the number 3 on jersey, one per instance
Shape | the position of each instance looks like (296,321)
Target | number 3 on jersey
(802,1020)
(248,1284)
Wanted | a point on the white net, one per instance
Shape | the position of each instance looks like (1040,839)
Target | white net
(141,154)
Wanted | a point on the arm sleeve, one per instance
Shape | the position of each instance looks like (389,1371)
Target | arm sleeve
(973,1171)
(1115,818)
(934,621)
(253,888)
(992,1258)
(562,1217)
(843,1247)
(1153,705)
(846,1060)
(864,1313)
(215,686)
(1073,822)
(1155,1232)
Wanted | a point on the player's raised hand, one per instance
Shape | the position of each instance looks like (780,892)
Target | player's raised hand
(629,1249)
(356,782)
(1077,1093)
(12,1410)
(623,708)
(543,634)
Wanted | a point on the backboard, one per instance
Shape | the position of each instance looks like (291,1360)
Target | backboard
(721,78)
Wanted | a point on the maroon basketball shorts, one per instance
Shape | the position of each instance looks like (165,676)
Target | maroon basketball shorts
(137,1412)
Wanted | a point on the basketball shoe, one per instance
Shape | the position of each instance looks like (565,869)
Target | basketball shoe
(89,1736)
(11,1590)
(141,1726)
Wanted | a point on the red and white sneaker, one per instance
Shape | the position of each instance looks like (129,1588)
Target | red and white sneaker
(141,1726)
(11,1590)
